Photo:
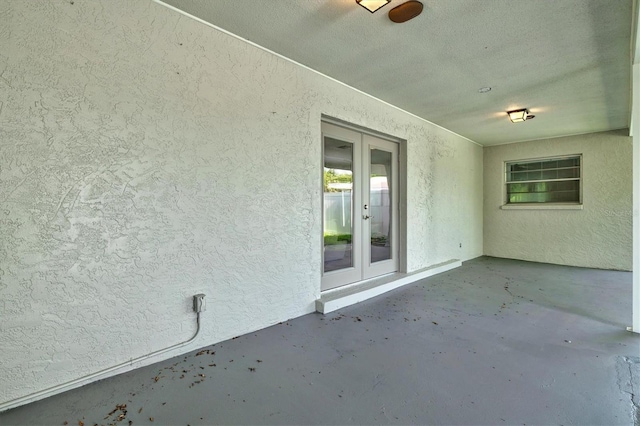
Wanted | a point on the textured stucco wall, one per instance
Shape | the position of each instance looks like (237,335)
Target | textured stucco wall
(598,236)
(146,157)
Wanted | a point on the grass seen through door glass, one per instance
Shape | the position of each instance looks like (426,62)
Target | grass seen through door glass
(330,240)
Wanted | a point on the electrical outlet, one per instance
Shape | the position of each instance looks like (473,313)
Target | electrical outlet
(198,303)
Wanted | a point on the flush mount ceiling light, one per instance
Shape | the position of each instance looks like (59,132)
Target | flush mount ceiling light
(519,115)
(372,5)
(405,11)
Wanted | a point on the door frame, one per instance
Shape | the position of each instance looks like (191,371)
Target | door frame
(399,232)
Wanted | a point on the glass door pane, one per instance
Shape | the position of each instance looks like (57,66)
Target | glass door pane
(380,207)
(338,204)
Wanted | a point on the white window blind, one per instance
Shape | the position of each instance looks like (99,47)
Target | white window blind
(548,180)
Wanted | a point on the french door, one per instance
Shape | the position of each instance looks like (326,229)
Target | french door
(360,206)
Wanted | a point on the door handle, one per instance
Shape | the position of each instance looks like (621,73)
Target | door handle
(366,216)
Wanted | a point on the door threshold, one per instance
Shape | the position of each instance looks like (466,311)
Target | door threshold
(337,298)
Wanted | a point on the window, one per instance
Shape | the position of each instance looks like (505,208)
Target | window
(547,180)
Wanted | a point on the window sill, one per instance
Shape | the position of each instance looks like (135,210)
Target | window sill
(542,207)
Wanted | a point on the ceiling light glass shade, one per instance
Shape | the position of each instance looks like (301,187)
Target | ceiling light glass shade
(372,5)
(518,116)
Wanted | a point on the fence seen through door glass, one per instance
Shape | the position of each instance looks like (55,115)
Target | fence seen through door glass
(338,204)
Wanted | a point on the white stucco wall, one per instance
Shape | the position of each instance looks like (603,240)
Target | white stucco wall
(146,157)
(599,236)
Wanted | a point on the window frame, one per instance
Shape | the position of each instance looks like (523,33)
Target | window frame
(573,205)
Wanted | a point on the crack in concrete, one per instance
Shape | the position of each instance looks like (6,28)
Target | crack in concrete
(627,385)
(634,401)
(513,297)
(506,288)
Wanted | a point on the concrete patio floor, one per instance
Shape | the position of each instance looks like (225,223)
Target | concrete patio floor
(493,342)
